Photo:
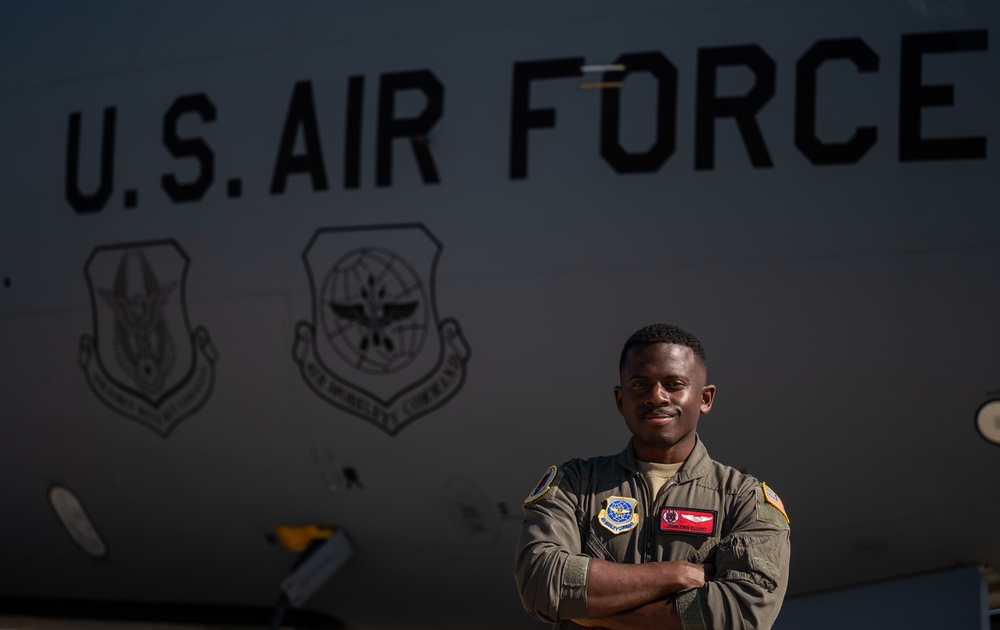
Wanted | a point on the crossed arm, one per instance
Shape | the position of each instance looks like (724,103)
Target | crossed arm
(556,586)
(564,578)
(638,596)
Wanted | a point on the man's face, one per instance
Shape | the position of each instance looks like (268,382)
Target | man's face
(661,397)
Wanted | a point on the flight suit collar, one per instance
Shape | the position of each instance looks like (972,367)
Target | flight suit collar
(697,465)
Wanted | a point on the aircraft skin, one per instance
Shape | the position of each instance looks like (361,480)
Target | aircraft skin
(371,266)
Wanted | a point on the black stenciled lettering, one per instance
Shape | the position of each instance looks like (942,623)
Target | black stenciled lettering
(743,109)
(522,117)
(189,147)
(818,152)
(666,114)
(416,128)
(352,134)
(81,202)
(914,96)
(301,116)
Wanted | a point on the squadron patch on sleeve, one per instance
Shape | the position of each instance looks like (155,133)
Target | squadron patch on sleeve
(772,497)
(543,484)
(619,515)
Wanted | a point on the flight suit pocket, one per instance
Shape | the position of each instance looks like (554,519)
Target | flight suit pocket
(751,558)
(703,553)
(593,544)
(596,549)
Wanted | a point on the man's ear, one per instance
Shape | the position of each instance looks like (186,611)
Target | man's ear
(707,397)
(618,399)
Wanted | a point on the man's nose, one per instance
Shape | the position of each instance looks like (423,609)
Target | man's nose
(658,395)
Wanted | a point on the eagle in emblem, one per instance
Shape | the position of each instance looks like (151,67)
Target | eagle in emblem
(144,347)
(374,314)
(620,511)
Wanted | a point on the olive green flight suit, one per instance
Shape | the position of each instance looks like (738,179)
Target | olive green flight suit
(750,545)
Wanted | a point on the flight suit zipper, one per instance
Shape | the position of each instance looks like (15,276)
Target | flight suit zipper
(647,542)
(651,526)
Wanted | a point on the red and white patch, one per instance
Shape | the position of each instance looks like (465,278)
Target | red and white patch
(543,484)
(679,520)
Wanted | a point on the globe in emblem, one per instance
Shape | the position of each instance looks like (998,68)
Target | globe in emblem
(373,310)
(619,511)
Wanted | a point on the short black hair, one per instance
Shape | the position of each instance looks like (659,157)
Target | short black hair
(664,333)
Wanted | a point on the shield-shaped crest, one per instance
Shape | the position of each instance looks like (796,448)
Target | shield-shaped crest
(143,360)
(375,346)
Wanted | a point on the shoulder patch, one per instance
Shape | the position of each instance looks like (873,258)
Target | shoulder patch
(772,497)
(543,484)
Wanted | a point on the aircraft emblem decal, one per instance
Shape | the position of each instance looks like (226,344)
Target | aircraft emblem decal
(619,515)
(687,521)
(143,360)
(375,347)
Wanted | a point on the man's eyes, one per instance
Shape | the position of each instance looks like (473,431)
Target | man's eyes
(671,385)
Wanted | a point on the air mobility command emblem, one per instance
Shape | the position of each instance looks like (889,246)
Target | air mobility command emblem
(143,360)
(375,347)
(618,515)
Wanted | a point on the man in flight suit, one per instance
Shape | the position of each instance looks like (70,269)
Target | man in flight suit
(660,535)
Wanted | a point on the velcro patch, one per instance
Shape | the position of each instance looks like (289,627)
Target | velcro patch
(772,497)
(543,484)
(619,515)
(679,520)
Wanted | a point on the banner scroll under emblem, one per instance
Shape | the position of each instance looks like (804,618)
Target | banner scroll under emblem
(375,347)
(143,360)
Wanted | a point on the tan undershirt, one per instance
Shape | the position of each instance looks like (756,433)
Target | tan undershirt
(657,474)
